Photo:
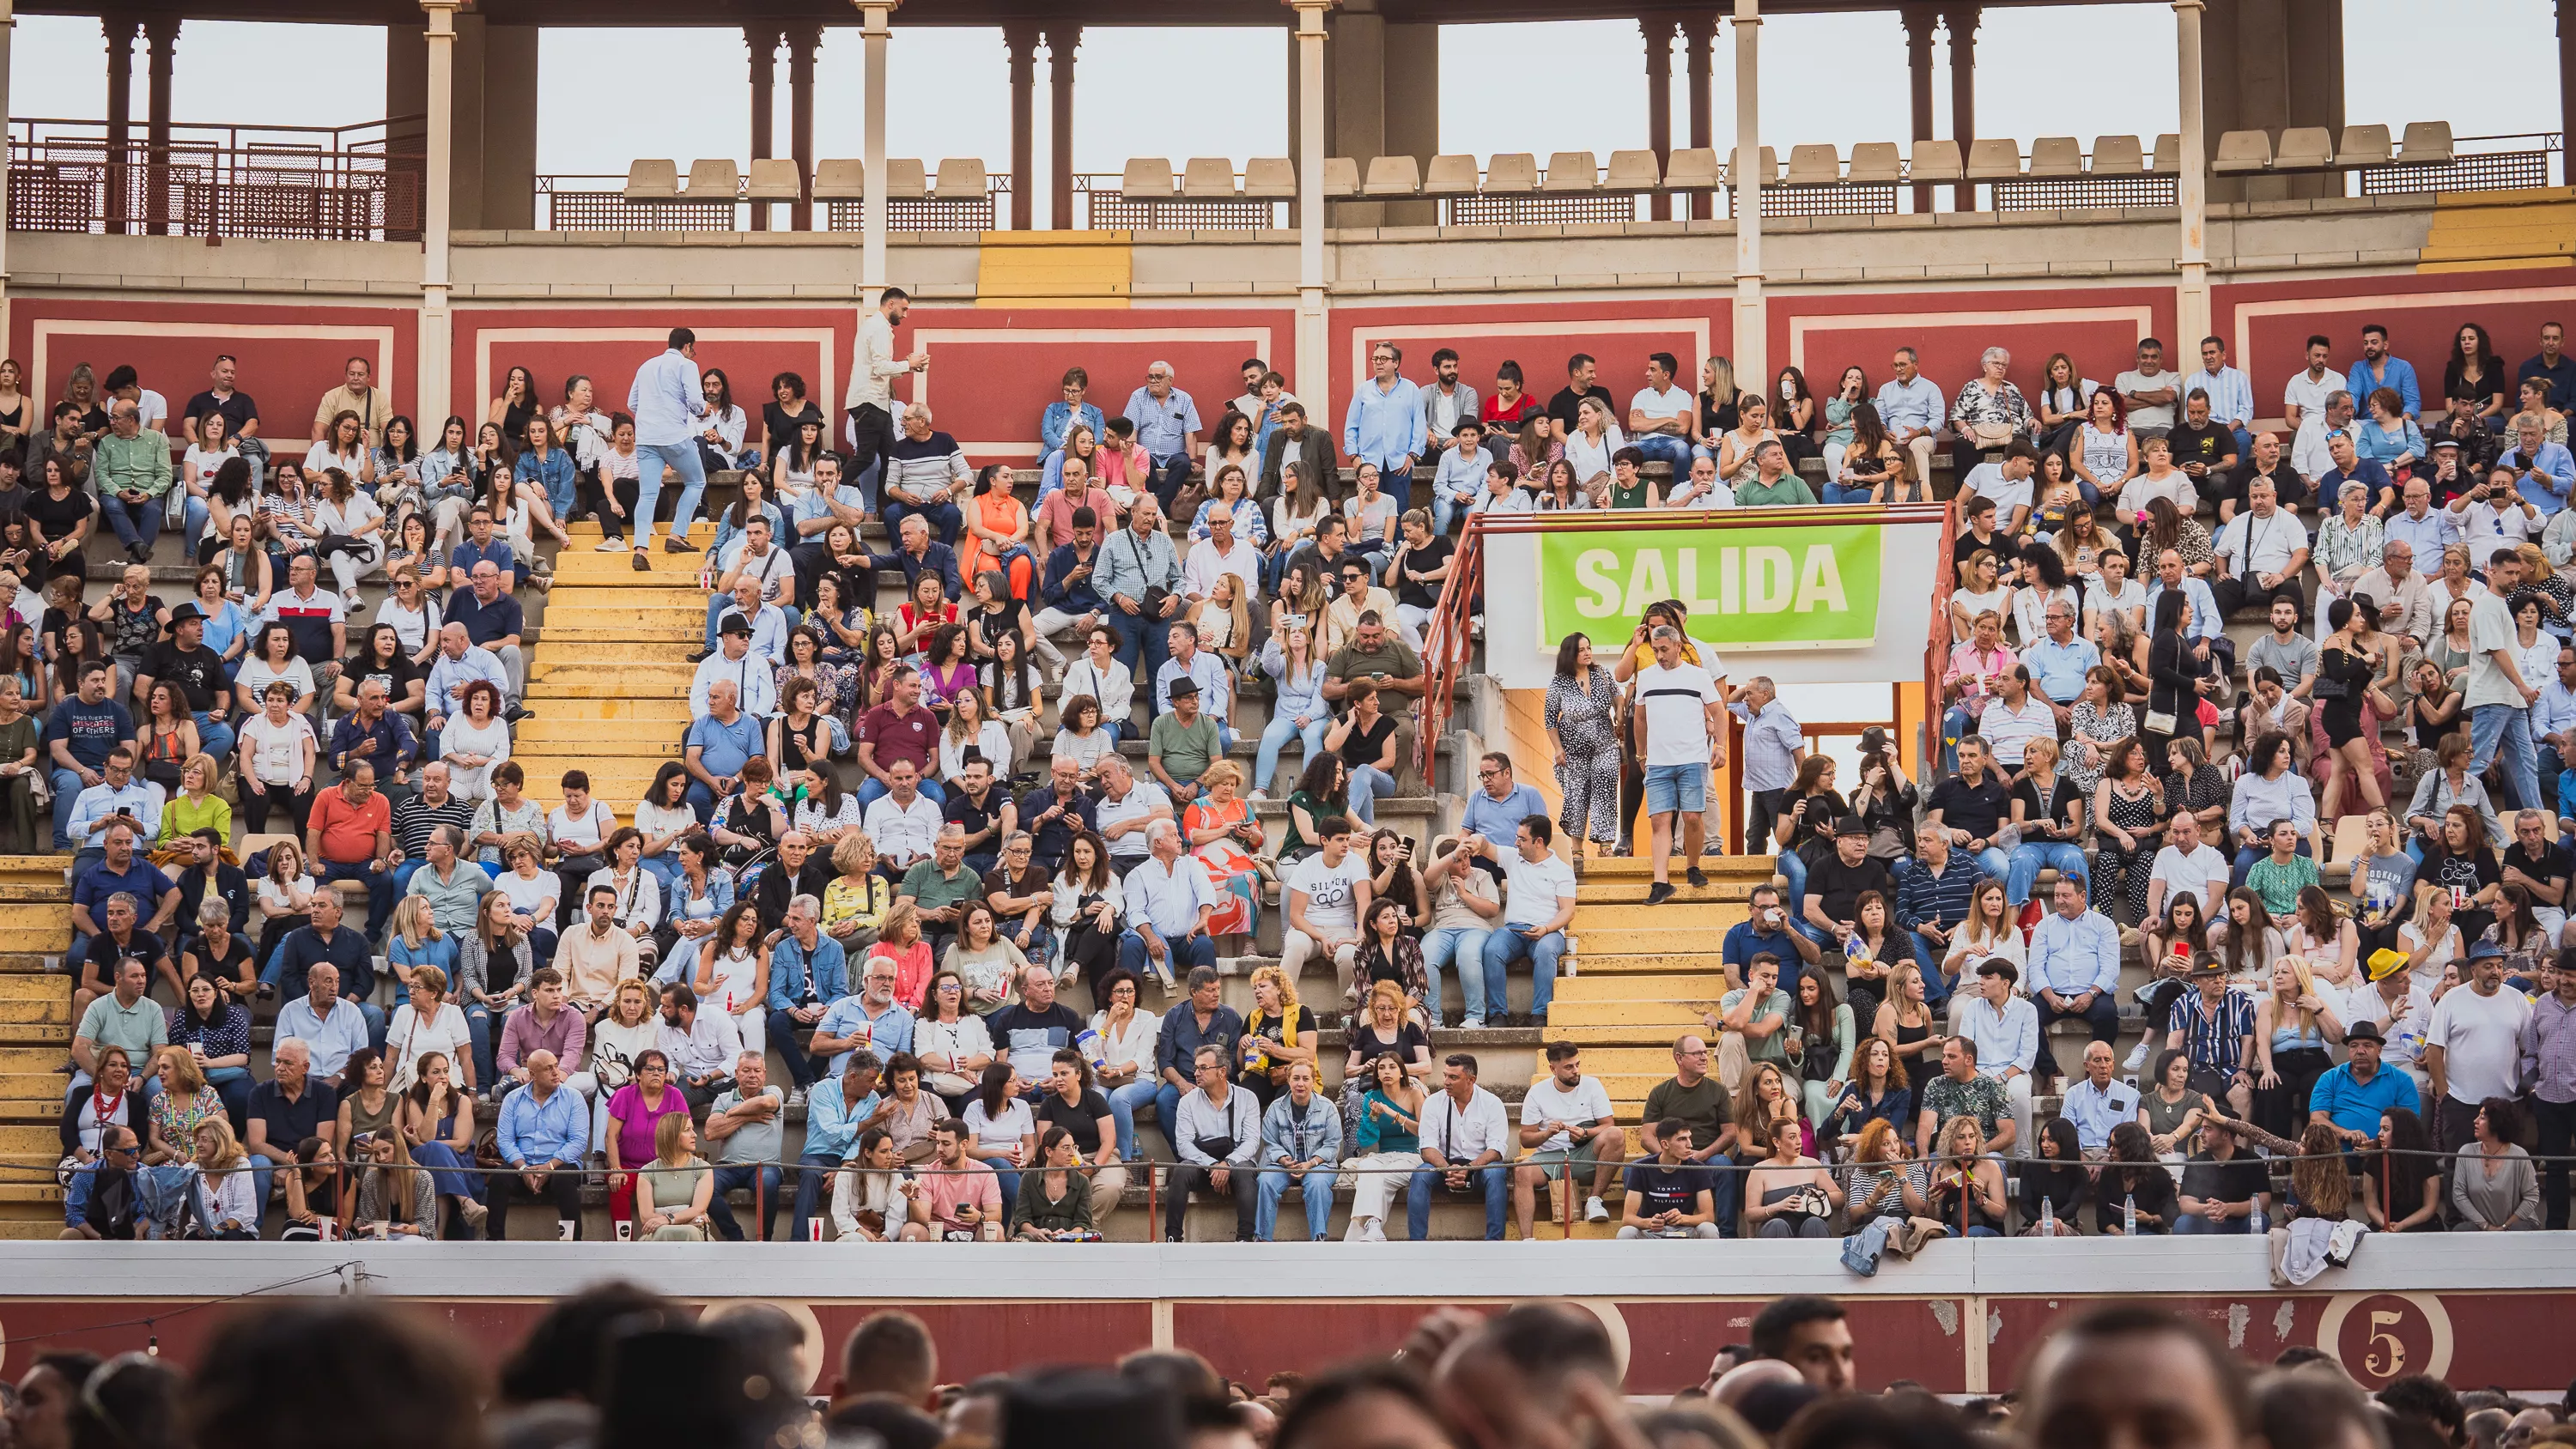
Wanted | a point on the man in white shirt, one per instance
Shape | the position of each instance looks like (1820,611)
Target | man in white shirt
(2186,866)
(1702,489)
(2303,406)
(1327,894)
(2231,393)
(1660,415)
(1539,903)
(1169,898)
(903,823)
(2261,552)
(1125,808)
(755,556)
(2149,390)
(870,401)
(1223,551)
(1467,1149)
(2003,1027)
(669,404)
(1569,1121)
(2005,483)
(1679,709)
(2499,699)
(1913,409)
(2473,1050)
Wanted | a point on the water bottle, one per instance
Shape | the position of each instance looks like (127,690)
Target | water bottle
(2129,1215)
(2254,1221)
(2047,1217)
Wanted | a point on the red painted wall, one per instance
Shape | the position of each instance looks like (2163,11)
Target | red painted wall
(2267,324)
(289,356)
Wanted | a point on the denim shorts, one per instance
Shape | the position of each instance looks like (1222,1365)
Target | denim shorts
(1671,788)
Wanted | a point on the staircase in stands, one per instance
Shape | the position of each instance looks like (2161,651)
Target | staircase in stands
(1642,975)
(35,1037)
(609,680)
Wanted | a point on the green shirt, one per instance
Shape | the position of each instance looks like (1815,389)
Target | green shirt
(925,883)
(1772,1048)
(1391,658)
(141,462)
(2279,885)
(451,905)
(1791,489)
(137,1028)
(1186,750)
(1704,1107)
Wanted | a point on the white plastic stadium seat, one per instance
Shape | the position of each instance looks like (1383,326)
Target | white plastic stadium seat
(653,181)
(1511,171)
(1770,165)
(1269,178)
(1341,177)
(1814,166)
(1693,168)
(905,179)
(1208,177)
(1876,163)
(1994,160)
(1392,176)
(2056,156)
(1149,176)
(2363,146)
(2114,156)
(775,179)
(2168,158)
(1936,160)
(2428,143)
(2305,148)
(1632,171)
(1450,176)
(2242,151)
(1572,171)
(960,178)
(840,180)
(718,180)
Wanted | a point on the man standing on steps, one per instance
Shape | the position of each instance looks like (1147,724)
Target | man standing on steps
(871,398)
(669,405)
(1678,708)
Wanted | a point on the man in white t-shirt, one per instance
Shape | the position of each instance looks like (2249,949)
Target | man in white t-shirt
(1678,709)
(2005,483)
(2186,866)
(2473,1050)
(1327,894)
(2262,553)
(2303,406)
(2499,699)
(2150,389)
(1659,416)
(1569,1121)
(1126,806)
(1538,902)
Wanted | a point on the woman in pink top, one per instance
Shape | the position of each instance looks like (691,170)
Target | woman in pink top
(633,1114)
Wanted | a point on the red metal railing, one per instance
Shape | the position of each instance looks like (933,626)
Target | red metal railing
(325,183)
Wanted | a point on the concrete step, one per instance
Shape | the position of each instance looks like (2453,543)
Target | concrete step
(44,1089)
(30,1144)
(586,531)
(1673,918)
(29,1059)
(1651,940)
(1669,1017)
(643,677)
(1665,963)
(33,1228)
(562,679)
(23,986)
(652,616)
(18,1012)
(1621,987)
(1751,869)
(603,711)
(569,733)
(623,644)
(1631,890)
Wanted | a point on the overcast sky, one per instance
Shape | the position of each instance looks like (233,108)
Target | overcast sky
(2058,70)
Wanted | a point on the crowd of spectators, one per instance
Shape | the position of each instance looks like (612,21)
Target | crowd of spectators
(618,1365)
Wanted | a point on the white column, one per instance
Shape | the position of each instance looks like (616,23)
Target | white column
(2191,187)
(1752,333)
(872,232)
(1314,334)
(437,331)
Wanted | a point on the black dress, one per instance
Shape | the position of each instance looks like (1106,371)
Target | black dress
(2347,674)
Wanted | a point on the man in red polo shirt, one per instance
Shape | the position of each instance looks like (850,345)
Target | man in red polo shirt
(350,836)
(899,729)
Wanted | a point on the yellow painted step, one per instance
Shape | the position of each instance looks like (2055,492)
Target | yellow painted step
(54,1012)
(546,736)
(22,987)
(1622,987)
(23,1144)
(1674,917)
(1675,963)
(600,645)
(31,1229)
(703,531)
(1716,867)
(46,1086)
(1671,1017)
(565,687)
(1648,940)
(1631,890)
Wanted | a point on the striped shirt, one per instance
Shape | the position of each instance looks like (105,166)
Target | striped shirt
(2214,1043)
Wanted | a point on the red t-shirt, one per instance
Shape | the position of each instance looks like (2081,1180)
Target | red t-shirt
(899,736)
(348,834)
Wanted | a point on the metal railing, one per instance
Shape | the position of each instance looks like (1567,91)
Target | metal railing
(596,201)
(327,183)
(1101,204)
(2478,163)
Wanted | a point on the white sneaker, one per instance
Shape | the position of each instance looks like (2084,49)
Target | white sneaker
(1595,1210)
(2137,1056)
(1260,795)
(1376,1232)
(796,1096)
(610,545)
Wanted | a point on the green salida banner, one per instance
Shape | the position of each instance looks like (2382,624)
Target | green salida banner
(1809,587)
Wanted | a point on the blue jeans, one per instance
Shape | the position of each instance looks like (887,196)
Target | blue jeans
(193,524)
(478,1025)
(216,735)
(2193,1225)
(682,458)
(814,1172)
(1936,987)
(1178,958)
(1317,1190)
(1793,888)
(1275,737)
(380,890)
(943,518)
(803,1069)
(1508,944)
(1369,784)
(764,1178)
(2503,732)
(872,789)
(1455,943)
(1123,1102)
(1665,448)
(1839,493)
(1495,1182)
(138,524)
(1955,722)
(1446,511)
(1141,637)
(67,788)
(1168,475)
(2031,857)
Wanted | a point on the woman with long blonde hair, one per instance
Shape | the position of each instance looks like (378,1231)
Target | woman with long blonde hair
(2293,1024)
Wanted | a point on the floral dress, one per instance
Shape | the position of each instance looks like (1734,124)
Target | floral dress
(2101,727)
(1583,717)
(179,1121)
(1233,871)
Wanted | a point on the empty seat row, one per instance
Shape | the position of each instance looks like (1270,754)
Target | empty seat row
(2314,148)
(957,179)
